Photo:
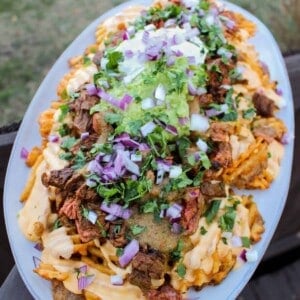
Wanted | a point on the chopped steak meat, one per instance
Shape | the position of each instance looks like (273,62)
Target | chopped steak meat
(70,208)
(265,106)
(87,230)
(73,183)
(100,126)
(147,266)
(117,234)
(205,99)
(213,189)
(97,57)
(87,194)
(166,292)
(57,178)
(220,131)
(222,157)
(192,209)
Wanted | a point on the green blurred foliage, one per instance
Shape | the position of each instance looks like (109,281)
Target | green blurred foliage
(34,33)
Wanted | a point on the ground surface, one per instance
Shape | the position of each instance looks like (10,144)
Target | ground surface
(34,33)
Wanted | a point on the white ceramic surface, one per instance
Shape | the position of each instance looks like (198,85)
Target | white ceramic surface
(270,202)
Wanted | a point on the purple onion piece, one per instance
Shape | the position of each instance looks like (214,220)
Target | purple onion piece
(36,261)
(171,129)
(53,138)
(212,112)
(125,36)
(24,153)
(145,37)
(83,269)
(84,281)
(116,280)
(110,217)
(174,212)
(95,167)
(91,89)
(192,89)
(279,92)
(183,120)
(129,252)
(128,53)
(84,135)
(170,23)
(116,210)
(38,246)
(176,228)
(243,255)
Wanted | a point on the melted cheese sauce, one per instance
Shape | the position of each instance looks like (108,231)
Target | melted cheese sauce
(276,151)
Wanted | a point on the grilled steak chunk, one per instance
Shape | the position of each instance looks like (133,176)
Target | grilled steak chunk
(57,178)
(166,292)
(265,106)
(210,189)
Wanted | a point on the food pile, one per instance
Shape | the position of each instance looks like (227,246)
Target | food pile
(132,193)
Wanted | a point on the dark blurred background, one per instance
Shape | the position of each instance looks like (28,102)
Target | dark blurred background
(34,33)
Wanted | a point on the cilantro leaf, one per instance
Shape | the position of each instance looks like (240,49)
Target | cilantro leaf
(205,160)
(226,222)
(107,192)
(64,109)
(150,207)
(212,211)
(112,118)
(137,229)
(114,58)
(119,252)
(249,113)
(176,253)
(79,160)
(68,143)
(246,242)
(181,270)
(203,231)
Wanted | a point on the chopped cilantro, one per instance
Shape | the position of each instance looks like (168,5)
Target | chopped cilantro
(226,222)
(63,130)
(112,118)
(204,4)
(246,242)
(119,252)
(107,192)
(66,156)
(198,179)
(205,160)
(137,229)
(269,154)
(84,212)
(212,211)
(114,58)
(249,113)
(183,144)
(57,224)
(203,231)
(68,143)
(134,127)
(224,240)
(79,160)
(64,109)
(103,148)
(176,253)
(181,270)
(150,207)
(86,61)
(96,108)
(180,182)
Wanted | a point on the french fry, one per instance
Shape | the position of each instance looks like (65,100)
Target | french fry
(48,272)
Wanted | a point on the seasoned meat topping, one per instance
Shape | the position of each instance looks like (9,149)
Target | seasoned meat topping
(265,106)
(58,178)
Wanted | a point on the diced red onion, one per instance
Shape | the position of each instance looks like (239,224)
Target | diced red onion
(91,89)
(53,138)
(95,167)
(202,145)
(160,176)
(36,261)
(116,280)
(183,120)
(107,158)
(194,193)
(287,138)
(236,241)
(109,173)
(279,92)
(230,24)
(192,89)
(193,33)
(147,103)
(131,30)
(153,52)
(84,281)
(128,53)
(116,210)
(110,218)
(84,135)
(224,52)
(126,140)
(212,112)
(174,211)
(150,27)
(160,93)
(125,36)
(131,166)
(175,171)
(171,60)
(224,108)
(177,53)
(199,123)
(148,128)
(136,157)
(162,213)
(177,39)
(38,246)
(129,252)
(145,37)
(251,255)
(163,165)
(201,91)
(125,101)
(186,25)
(119,163)
(90,183)
(210,20)
(170,23)
(171,129)
(144,147)
(82,269)
(92,217)
(192,60)
(24,153)
(176,228)
(189,73)
(243,255)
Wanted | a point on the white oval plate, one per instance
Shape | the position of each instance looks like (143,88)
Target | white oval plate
(270,202)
